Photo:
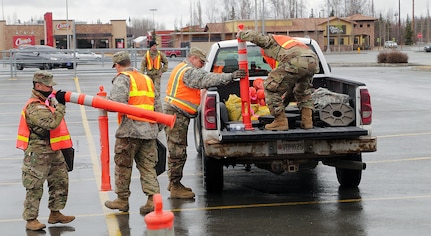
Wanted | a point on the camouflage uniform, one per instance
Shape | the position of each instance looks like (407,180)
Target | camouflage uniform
(177,136)
(135,140)
(293,76)
(41,163)
(154,74)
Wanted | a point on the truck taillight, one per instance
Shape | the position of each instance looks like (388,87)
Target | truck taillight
(210,112)
(366,110)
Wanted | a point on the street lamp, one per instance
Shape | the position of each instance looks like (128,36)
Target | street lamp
(399,24)
(2,9)
(67,25)
(153,10)
(328,49)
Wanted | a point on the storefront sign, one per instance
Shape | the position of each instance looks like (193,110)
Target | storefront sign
(337,29)
(23,39)
(62,26)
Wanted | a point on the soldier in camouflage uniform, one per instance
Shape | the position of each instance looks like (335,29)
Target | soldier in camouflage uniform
(149,67)
(182,99)
(41,163)
(135,139)
(292,78)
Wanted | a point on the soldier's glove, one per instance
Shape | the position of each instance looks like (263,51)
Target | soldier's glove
(241,73)
(59,95)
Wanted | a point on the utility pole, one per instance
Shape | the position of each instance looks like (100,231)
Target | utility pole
(399,24)
(67,26)
(413,18)
(328,49)
(154,26)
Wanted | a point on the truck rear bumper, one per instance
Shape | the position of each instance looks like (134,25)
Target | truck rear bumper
(297,149)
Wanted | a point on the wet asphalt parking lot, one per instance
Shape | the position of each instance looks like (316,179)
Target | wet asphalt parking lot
(394,197)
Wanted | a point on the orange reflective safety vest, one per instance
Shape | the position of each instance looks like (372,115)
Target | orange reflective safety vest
(59,137)
(269,60)
(288,42)
(141,94)
(178,94)
(153,63)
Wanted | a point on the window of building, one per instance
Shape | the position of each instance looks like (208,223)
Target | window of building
(341,42)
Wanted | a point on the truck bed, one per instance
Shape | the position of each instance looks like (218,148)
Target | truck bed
(293,134)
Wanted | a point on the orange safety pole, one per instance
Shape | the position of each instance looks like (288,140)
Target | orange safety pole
(104,145)
(102,103)
(244,83)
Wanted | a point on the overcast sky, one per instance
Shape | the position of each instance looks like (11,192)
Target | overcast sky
(169,12)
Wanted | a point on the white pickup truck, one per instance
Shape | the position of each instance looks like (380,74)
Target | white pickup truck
(341,133)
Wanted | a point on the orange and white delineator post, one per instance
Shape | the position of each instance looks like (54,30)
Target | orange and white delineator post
(102,103)
(104,145)
(106,105)
(244,83)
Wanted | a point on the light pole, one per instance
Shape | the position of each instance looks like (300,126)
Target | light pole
(328,49)
(154,26)
(2,9)
(67,25)
(399,24)
(397,29)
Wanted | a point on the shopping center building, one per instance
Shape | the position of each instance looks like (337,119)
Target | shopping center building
(337,33)
(64,34)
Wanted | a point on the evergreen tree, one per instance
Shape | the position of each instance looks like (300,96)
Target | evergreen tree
(408,32)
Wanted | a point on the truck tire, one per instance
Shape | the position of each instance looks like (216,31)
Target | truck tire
(213,173)
(349,178)
(45,66)
(173,56)
(19,66)
(197,134)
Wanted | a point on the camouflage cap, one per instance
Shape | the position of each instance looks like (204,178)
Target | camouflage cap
(44,77)
(119,57)
(199,53)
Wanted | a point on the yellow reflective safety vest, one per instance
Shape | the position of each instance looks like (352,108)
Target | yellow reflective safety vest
(178,94)
(153,63)
(141,94)
(59,137)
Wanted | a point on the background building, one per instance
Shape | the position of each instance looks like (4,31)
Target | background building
(345,33)
(65,34)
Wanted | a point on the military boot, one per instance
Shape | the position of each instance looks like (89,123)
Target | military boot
(148,207)
(280,123)
(179,191)
(119,203)
(306,118)
(56,217)
(169,187)
(34,225)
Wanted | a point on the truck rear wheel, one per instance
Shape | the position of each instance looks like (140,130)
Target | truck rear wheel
(347,177)
(213,173)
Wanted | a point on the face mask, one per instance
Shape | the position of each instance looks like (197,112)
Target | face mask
(45,94)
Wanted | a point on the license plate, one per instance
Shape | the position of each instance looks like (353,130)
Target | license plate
(290,147)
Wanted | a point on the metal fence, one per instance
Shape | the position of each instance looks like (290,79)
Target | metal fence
(8,62)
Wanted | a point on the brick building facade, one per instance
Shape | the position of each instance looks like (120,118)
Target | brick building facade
(111,35)
(345,33)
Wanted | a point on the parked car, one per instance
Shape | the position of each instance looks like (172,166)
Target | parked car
(42,57)
(427,48)
(172,53)
(391,44)
(86,55)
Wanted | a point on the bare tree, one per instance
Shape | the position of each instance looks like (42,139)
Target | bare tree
(355,6)
(245,9)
